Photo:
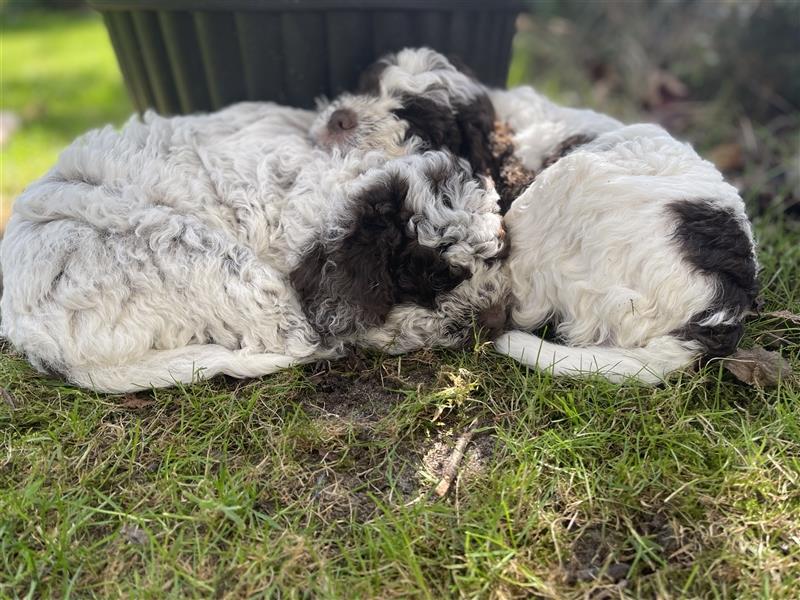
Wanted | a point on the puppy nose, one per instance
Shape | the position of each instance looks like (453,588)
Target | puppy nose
(492,321)
(342,119)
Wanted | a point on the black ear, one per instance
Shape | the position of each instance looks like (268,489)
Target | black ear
(464,129)
(421,274)
(476,123)
(430,121)
(348,284)
(369,82)
(459,64)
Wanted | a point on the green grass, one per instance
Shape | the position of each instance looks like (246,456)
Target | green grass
(233,489)
(317,482)
(59,75)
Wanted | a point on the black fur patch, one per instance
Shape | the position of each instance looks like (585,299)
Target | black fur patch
(476,122)
(421,274)
(463,129)
(433,123)
(356,282)
(460,65)
(370,81)
(565,147)
(714,243)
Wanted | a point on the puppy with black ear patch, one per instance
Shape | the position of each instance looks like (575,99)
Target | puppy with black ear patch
(424,115)
(416,263)
(373,267)
(631,244)
(226,243)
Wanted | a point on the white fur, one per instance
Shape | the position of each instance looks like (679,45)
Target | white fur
(540,125)
(592,239)
(593,249)
(649,363)
(162,252)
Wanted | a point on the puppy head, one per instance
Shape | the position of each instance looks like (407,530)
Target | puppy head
(410,234)
(360,123)
(415,99)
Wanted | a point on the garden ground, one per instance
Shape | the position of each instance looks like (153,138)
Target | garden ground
(319,482)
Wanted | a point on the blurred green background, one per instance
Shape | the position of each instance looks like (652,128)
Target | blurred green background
(724,75)
(59,78)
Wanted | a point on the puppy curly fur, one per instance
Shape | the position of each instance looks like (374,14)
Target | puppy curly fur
(229,243)
(633,246)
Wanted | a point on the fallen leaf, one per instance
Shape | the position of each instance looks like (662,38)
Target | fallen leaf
(758,367)
(134,402)
(8,397)
(133,534)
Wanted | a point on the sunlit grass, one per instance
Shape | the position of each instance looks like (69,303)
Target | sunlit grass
(60,76)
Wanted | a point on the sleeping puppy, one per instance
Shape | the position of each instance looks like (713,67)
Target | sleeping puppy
(228,243)
(633,247)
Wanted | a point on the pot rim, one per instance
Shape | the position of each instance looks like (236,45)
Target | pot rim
(308,5)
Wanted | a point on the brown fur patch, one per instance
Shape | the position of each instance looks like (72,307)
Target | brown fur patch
(511,176)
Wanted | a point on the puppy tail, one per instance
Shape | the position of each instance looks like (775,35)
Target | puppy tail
(648,364)
(163,368)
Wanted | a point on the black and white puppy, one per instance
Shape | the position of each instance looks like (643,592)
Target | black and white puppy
(228,243)
(629,243)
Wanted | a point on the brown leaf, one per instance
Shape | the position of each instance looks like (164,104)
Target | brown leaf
(758,367)
(133,534)
(8,397)
(134,402)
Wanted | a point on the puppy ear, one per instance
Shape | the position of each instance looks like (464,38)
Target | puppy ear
(348,284)
(422,273)
(464,129)
(459,65)
(430,121)
(475,121)
(369,83)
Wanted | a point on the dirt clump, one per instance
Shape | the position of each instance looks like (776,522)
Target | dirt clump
(355,390)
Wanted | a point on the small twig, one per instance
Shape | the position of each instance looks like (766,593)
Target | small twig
(450,469)
(783,314)
(8,397)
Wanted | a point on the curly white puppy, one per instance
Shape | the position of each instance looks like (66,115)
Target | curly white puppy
(228,243)
(633,246)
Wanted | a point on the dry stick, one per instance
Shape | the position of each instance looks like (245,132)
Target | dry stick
(8,397)
(451,467)
(783,314)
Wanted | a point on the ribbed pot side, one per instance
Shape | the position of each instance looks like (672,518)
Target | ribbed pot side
(182,56)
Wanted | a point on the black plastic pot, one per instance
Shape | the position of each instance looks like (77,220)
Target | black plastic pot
(182,56)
